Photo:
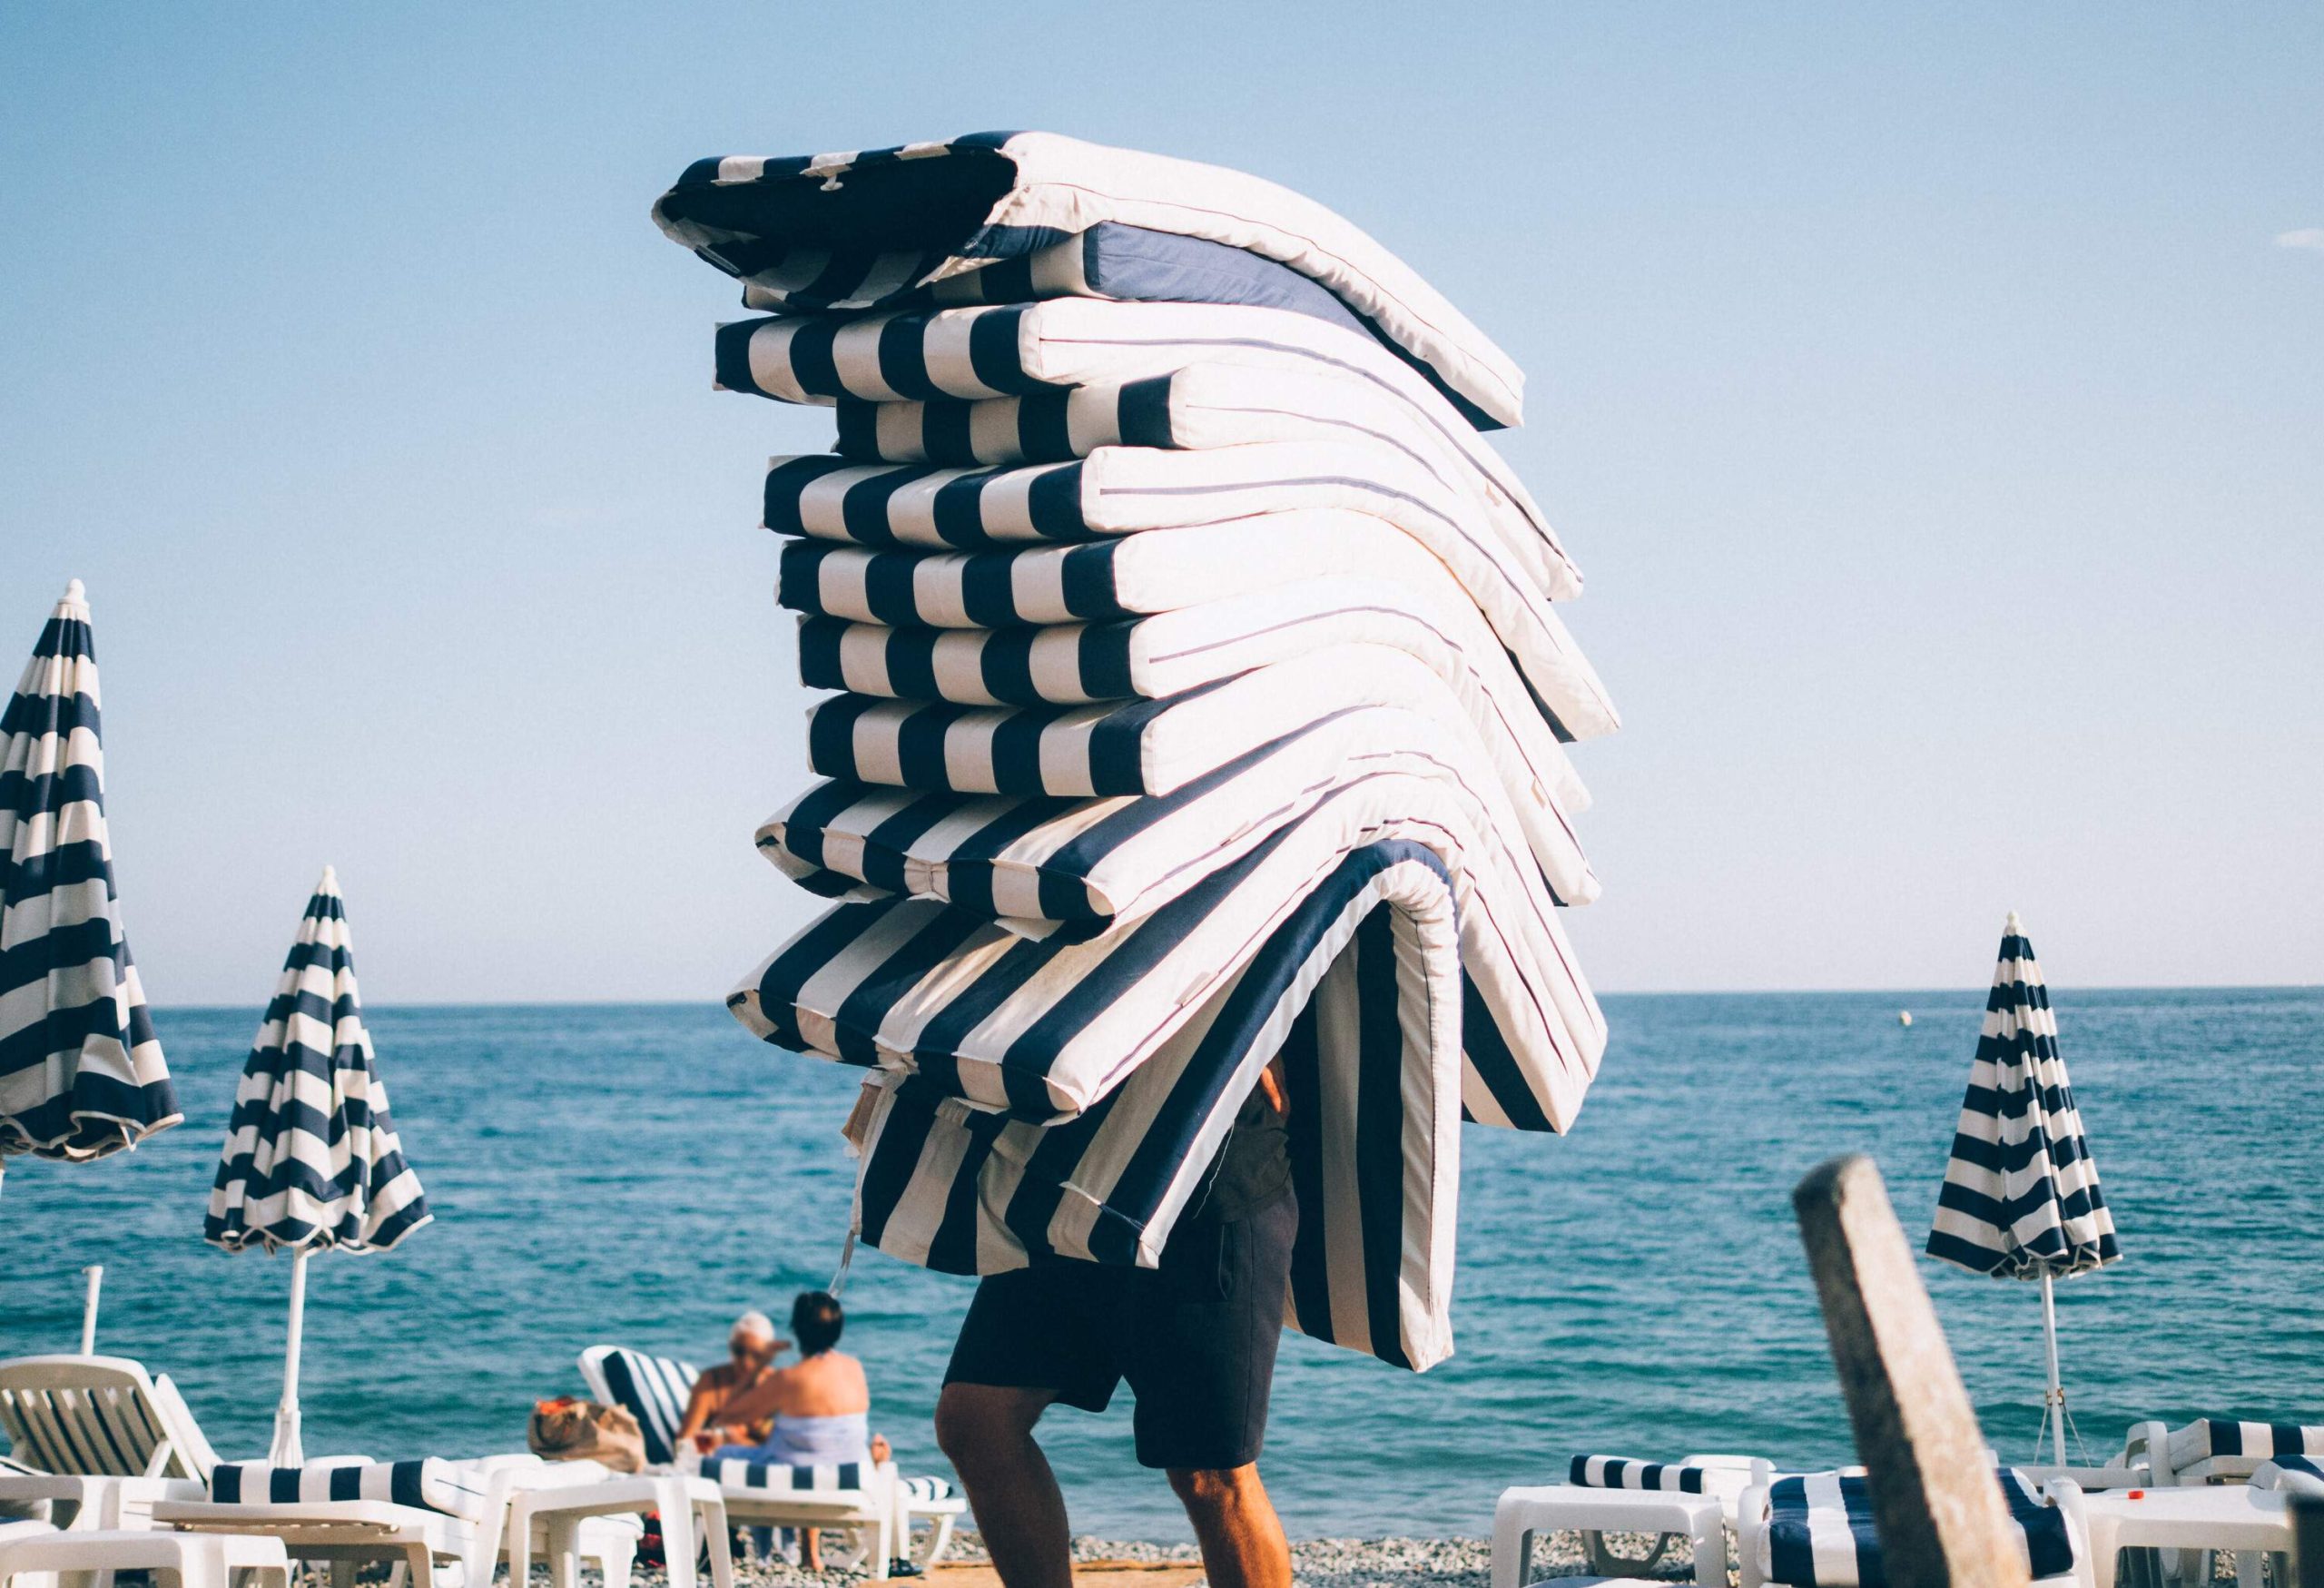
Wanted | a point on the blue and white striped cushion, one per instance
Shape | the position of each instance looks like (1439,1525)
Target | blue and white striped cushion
(1197,409)
(1357,996)
(741,1472)
(653,1389)
(924,1491)
(867,228)
(2212,1438)
(1614,1472)
(1821,1534)
(1081,859)
(1044,1029)
(454,1488)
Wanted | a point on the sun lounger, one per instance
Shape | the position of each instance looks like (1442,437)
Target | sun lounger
(96,1441)
(2213,1450)
(879,1508)
(2295,1474)
(2193,1520)
(198,1562)
(1694,1498)
(1815,1530)
(412,1513)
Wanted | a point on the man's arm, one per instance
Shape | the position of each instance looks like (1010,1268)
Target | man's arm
(772,1394)
(701,1401)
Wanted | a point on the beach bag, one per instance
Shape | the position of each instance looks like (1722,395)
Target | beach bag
(570,1429)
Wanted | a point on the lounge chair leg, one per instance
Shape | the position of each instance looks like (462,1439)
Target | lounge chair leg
(342,1575)
(564,1554)
(423,1566)
(678,1540)
(940,1536)
(619,1556)
(720,1538)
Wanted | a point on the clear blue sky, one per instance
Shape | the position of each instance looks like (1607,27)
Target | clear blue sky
(1925,390)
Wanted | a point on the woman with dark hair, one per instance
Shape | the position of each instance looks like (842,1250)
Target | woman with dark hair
(821,1405)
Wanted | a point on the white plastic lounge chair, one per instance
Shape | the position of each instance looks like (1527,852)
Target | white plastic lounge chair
(2187,1524)
(2213,1450)
(413,1514)
(689,1506)
(97,1440)
(655,1390)
(1693,1498)
(1815,1529)
(2294,1475)
(28,1548)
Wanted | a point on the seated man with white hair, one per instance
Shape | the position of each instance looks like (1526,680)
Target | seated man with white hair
(751,1347)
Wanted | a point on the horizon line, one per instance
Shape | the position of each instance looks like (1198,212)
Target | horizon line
(448,1003)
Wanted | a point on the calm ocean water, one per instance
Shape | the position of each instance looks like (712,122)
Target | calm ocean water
(643,1174)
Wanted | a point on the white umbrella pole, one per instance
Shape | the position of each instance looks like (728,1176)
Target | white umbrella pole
(2054,1402)
(287,1451)
(96,1276)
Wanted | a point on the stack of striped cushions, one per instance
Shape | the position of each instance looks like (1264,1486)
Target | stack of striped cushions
(1198,701)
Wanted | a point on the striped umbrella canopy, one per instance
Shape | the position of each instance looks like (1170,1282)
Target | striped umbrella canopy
(81,1071)
(311,1159)
(2020,1198)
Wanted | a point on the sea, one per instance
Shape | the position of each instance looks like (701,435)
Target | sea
(641,1175)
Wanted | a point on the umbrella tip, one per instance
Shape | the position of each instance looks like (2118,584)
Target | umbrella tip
(331,882)
(75,593)
(2015,927)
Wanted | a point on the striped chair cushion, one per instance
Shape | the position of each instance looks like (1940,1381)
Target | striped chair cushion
(1614,1472)
(1121,490)
(2212,1438)
(741,1472)
(1171,652)
(1169,569)
(1820,1531)
(653,1389)
(2306,1465)
(454,1488)
(1128,264)
(783,226)
(1079,860)
(1116,491)
(1140,746)
(1206,406)
(1043,1029)
(1364,972)
(975,354)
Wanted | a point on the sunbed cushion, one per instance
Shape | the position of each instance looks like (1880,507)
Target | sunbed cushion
(653,1389)
(975,354)
(1135,747)
(867,228)
(1615,1472)
(452,1487)
(1821,1535)
(1374,1157)
(1130,264)
(1414,609)
(2214,1438)
(1046,1027)
(1196,408)
(741,1472)
(925,1490)
(1077,860)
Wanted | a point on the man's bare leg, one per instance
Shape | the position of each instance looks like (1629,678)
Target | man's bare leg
(986,1431)
(1241,1536)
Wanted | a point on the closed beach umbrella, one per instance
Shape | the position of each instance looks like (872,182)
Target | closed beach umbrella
(81,1073)
(2021,1197)
(311,1159)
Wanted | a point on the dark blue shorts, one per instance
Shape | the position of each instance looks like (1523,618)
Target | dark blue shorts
(1195,1337)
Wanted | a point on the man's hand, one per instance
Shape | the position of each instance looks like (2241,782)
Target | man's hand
(1271,1085)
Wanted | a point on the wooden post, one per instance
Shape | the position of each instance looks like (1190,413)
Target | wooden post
(1942,1519)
